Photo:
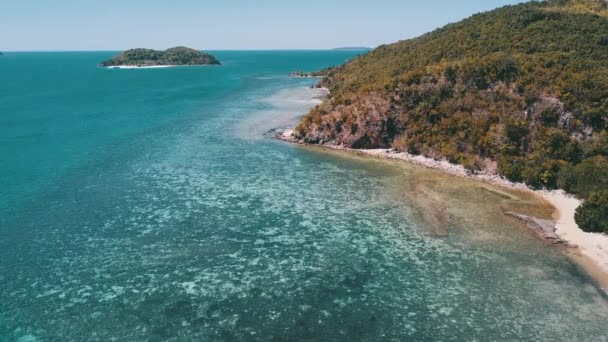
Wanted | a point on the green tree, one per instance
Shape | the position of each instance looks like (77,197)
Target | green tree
(592,215)
(586,177)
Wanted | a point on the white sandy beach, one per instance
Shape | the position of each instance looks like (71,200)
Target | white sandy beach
(592,246)
(140,67)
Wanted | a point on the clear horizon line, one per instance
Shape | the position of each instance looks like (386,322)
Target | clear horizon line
(256,49)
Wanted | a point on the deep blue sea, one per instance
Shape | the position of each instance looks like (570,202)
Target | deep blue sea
(154,205)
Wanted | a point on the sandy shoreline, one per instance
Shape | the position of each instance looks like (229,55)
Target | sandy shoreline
(140,67)
(149,66)
(589,249)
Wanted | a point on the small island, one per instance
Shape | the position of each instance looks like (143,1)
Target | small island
(142,58)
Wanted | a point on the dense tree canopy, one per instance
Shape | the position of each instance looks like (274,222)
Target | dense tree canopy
(592,216)
(174,56)
(586,177)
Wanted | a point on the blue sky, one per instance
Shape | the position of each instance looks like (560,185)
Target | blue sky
(223,24)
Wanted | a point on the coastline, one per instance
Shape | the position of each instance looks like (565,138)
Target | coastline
(149,66)
(139,67)
(589,250)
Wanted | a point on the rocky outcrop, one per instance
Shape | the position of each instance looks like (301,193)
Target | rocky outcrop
(302,74)
(544,229)
(366,125)
(313,74)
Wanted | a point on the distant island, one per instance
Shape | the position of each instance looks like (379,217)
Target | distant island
(154,58)
(1,53)
(352,48)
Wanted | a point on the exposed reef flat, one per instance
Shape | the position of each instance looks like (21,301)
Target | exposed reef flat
(544,229)
(591,249)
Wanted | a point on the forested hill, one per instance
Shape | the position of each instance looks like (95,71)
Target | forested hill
(175,56)
(523,88)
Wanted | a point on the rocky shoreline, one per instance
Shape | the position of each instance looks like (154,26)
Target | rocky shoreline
(299,74)
(544,229)
(443,165)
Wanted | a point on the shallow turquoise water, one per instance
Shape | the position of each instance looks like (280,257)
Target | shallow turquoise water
(151,205)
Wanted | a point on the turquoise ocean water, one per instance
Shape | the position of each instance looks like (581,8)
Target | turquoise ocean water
(153,205)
